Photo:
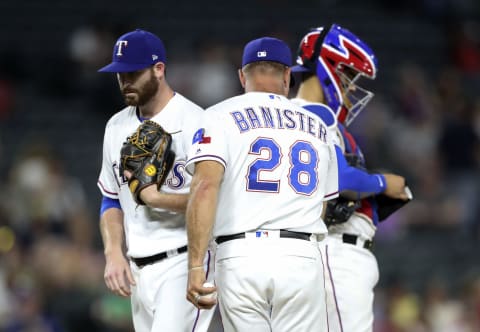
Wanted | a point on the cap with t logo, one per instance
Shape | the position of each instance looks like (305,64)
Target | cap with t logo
(134,51)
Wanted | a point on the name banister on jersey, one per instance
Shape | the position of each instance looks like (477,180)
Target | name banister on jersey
(263,117)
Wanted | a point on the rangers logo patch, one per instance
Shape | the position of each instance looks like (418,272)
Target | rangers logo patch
(200,137)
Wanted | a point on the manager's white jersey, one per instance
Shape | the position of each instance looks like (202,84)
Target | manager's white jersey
(325,113)
(279,163)
(150,231)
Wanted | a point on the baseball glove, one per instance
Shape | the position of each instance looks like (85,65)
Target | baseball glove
(148,156)
(339,210)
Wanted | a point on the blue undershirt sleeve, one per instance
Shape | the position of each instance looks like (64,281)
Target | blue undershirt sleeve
(356,183)
(108,203)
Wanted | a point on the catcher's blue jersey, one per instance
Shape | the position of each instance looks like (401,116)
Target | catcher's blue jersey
(368,205)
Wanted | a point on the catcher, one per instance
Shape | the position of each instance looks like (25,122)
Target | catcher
(146,158)
(332,62)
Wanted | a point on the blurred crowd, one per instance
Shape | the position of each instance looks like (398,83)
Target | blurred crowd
(50,269)
(425,125)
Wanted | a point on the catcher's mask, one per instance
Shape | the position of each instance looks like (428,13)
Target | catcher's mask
(339,59)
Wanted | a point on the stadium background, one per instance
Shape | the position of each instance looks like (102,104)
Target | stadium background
(423,122)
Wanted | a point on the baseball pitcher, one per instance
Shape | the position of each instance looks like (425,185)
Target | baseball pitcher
(153,268)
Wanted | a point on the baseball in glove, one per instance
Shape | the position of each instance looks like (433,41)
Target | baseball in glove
(148,156)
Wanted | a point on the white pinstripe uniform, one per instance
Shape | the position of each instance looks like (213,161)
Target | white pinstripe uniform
(158,300)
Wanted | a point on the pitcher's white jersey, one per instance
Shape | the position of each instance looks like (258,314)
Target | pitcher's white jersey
(150,230)
(273,151)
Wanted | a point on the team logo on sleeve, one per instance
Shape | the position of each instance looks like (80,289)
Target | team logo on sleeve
(200,137)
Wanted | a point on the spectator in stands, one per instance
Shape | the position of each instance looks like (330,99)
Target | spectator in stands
(40,198)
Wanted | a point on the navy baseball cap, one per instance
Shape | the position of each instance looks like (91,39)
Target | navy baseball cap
(134,51)
(301,69)
(267,49)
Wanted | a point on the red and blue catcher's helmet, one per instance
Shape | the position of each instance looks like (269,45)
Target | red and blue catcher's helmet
(339,59)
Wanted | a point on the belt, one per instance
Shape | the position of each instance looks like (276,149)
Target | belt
(140,262)
(263,234)
(354,239)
